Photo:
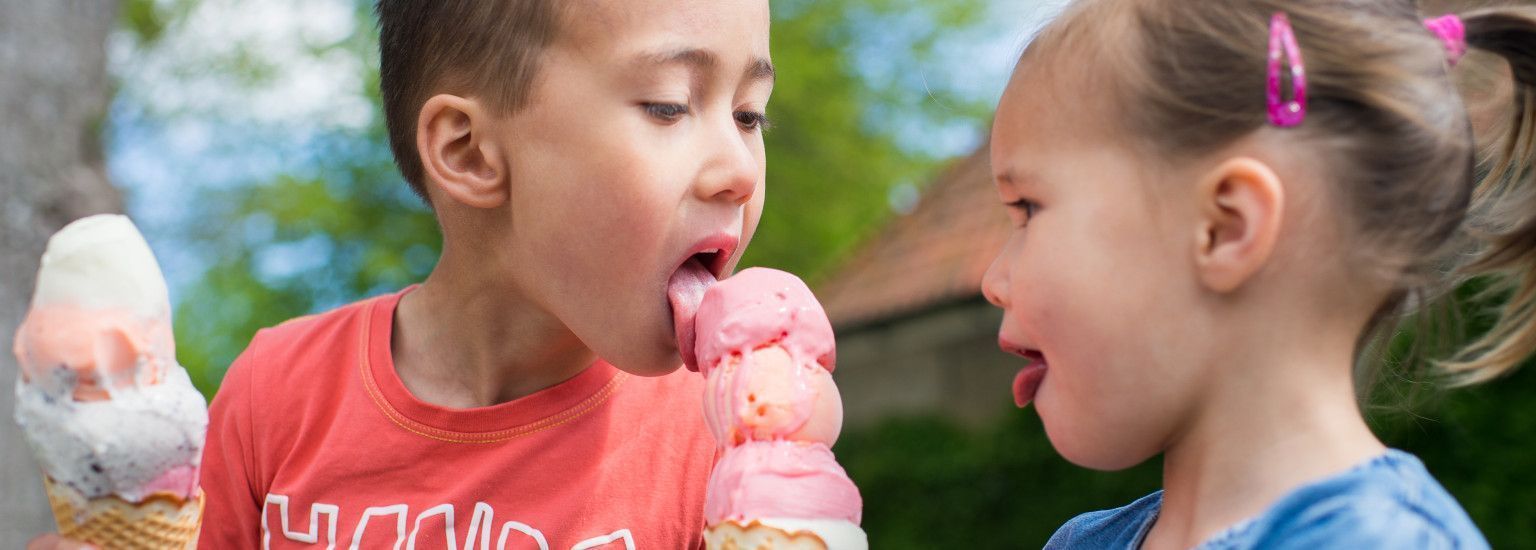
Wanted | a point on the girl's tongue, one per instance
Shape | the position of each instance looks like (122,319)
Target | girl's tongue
(685,290)
(1027,381)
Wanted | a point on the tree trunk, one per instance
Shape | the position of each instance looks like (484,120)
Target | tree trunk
(53,97)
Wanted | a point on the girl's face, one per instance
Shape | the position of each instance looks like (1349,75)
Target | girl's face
(1096,282)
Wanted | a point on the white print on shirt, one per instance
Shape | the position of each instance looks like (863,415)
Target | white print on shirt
(395,515)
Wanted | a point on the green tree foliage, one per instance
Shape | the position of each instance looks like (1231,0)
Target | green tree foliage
(834,153)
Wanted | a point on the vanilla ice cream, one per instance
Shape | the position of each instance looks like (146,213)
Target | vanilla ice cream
(100,397)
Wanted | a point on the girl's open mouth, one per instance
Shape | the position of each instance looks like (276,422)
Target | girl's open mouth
(1027,381)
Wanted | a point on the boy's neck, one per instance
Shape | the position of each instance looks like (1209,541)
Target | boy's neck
(1285,418)
(465,338)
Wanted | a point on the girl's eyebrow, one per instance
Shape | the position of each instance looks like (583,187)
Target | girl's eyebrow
(1010,178)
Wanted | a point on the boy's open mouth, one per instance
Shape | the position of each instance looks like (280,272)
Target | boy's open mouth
(685,289)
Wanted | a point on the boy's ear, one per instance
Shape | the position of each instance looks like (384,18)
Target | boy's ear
(1241,206)
(459,153)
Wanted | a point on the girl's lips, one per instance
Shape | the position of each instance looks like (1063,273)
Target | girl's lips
(1027,381)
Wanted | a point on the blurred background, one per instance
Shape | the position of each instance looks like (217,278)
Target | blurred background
(245,138)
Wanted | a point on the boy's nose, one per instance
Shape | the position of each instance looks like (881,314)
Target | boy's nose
(731,173)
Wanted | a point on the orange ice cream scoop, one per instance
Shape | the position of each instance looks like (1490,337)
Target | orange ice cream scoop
(93,350)
(767,395)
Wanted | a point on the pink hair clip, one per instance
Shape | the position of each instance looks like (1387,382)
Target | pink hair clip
(1451,32)
(1282,39)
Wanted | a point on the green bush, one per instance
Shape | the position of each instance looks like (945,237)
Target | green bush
(930,483)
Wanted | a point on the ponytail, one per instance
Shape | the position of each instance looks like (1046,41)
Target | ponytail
(1502,218)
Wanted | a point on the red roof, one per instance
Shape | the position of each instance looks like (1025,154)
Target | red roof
(935,254)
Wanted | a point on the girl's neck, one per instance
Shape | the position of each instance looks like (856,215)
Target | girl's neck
(1271,422)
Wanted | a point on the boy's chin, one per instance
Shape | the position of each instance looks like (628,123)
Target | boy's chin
(650,366)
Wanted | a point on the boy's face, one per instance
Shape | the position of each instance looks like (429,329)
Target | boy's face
(640,148)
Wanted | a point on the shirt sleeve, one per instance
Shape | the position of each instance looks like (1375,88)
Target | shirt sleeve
(232,506)
(1364,522)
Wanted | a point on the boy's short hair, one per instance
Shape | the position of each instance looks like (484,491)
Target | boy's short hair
(488,49)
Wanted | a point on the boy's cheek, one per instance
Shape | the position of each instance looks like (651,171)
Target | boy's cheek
(753,215)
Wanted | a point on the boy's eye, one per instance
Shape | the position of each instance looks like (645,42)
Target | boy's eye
(1026,207)
(752,120)
(666,112)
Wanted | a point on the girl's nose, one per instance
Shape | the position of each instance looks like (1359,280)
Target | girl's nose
(994,285)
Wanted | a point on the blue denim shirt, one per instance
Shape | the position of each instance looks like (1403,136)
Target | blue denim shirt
(1387,502)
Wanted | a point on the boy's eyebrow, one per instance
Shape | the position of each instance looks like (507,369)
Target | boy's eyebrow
(694,58)
(760,69)
(701,60)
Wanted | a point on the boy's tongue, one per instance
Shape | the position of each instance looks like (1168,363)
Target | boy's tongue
(685,290)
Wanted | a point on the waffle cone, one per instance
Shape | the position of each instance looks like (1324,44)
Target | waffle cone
(163,521)
(730,535)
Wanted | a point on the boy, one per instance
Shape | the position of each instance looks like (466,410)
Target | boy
(588,162)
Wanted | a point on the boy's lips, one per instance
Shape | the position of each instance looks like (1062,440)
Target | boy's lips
(704,264)
(1028,380)
(712,252)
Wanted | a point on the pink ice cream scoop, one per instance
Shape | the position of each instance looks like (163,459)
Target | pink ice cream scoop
(765,345)
(758,307)
(780,479)
(766,349)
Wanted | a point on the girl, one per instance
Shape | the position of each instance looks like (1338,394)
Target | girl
(1220,206)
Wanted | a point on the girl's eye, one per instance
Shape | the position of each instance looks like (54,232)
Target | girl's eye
(1026,207)
(666,112)
(752,120)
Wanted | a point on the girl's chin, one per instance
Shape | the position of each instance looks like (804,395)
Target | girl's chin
(1087,450)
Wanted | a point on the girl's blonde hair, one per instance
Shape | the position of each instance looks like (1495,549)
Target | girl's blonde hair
(1383,112)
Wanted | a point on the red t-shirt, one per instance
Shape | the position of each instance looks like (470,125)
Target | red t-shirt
(313,442)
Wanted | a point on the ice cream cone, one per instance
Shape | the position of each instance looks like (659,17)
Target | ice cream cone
(767,351)
(730,535)
(163,521)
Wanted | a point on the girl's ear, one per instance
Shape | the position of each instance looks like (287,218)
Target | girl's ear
(1241,204)
(458,151)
